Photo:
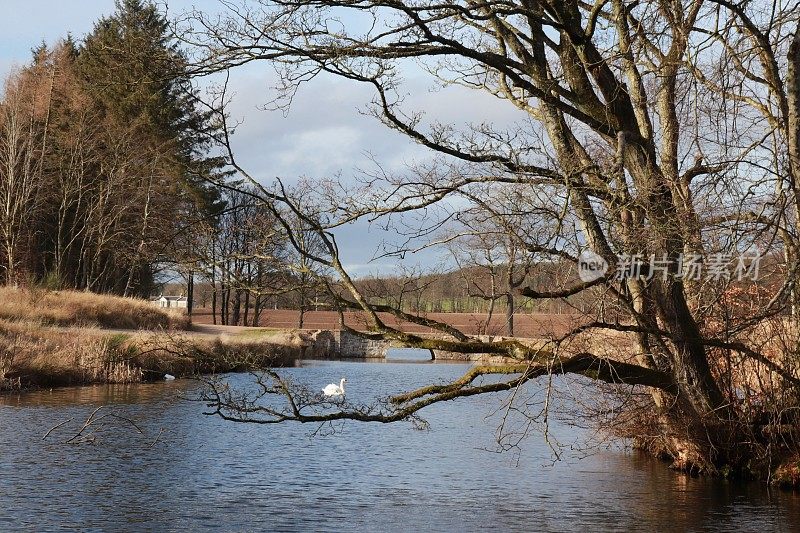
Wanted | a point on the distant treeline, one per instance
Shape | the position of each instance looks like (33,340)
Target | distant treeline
(471,289)
(465,290)
(103,158)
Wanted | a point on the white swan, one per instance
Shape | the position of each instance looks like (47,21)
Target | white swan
(333,389)
(168,377)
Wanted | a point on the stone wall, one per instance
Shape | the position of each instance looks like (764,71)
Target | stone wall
(334,344)
(350,345)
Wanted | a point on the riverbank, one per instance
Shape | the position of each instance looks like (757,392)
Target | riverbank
(62,338)
(65,338)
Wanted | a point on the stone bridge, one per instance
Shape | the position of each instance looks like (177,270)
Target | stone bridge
(344,344)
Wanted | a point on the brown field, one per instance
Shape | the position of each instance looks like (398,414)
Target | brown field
(525,325)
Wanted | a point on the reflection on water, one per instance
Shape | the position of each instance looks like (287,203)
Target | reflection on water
(96,395)
(188,471)
(408,354)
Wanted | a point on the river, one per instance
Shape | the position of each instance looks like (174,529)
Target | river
(188,471)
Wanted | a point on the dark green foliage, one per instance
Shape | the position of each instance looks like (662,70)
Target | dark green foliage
(138,75)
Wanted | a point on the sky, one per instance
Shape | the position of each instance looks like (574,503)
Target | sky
(324,134)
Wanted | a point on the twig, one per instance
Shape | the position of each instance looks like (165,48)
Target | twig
(57,426)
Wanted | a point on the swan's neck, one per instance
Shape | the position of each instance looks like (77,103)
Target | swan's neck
(341,385)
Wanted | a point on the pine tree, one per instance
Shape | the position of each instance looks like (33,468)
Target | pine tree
(133,68)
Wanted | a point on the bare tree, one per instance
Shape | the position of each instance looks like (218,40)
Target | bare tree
(243,255)
(21,145)
(652,130)
(492,235)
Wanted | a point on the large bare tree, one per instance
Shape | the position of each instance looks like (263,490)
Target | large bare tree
(658,130)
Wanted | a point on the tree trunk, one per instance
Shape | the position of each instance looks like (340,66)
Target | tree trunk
(190,293)
(214,305)
(510,313)
(246,307)
(236,307)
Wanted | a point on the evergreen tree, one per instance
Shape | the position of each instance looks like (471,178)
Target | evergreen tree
(132,65)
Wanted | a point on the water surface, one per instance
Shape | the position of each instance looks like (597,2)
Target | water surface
(189,471)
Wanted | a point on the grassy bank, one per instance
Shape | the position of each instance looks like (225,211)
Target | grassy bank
(50,339)
(85,309)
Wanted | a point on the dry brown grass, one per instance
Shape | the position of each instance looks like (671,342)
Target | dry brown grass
(184,356)
(72,308)
(34,356)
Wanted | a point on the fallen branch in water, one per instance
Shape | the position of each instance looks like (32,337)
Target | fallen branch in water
(93,425)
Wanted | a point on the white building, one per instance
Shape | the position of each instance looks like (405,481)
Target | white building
(179,302)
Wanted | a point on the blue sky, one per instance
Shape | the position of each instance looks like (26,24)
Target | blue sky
(324,134)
